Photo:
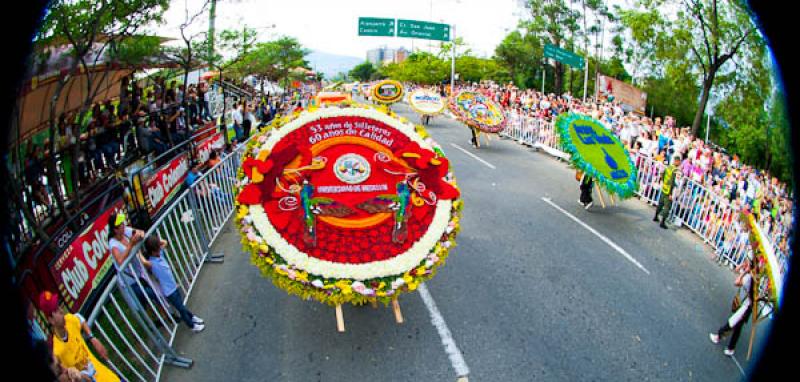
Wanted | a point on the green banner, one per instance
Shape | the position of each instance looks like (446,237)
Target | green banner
(564,56)
(371,26)
(423,30)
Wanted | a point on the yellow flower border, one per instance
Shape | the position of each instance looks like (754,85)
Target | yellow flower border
(760,252)
(401,92)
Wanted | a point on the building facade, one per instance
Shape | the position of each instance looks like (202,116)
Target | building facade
(384,55)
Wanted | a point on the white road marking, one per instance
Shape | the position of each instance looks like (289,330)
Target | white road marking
(738,365)
(450,347)
(491,166)
(598,234)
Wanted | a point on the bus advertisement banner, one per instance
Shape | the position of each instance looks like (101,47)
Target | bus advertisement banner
(85,262)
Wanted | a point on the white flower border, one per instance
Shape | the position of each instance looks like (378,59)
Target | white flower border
(394,266)
(399,264)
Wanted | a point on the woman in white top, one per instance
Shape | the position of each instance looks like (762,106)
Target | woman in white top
(649,146)
(123,240)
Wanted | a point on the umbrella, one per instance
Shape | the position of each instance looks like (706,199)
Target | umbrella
(478,111)
(597,152)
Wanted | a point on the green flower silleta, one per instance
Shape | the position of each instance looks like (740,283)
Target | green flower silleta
(598,152)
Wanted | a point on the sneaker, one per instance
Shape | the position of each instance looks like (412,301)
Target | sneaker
(197,328)
(713,337)
(728,352)
(197,320)
(589,205)
(662,225)
(655,219)
(581,203)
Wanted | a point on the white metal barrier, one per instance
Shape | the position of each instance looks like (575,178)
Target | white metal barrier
(534,132)
(133,319)
(705,213)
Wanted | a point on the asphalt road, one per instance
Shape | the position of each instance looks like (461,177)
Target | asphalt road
(528,294)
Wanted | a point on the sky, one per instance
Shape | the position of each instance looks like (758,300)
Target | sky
(332,26)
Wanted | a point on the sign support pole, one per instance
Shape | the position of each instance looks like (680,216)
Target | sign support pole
(453,61)
(544,72)
(585,79)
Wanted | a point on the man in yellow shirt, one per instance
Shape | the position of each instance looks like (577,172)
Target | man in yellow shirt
(69,347)
(665,201)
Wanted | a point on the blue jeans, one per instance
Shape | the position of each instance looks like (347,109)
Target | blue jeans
(176,300)
(109,151)
(238,130)
(144,295)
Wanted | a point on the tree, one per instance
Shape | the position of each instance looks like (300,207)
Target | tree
(550,20)
(187,56)
(715,35)
(711,34)
(260,62)
(685,52)
(419,67)
(93,30)
(236,45)
(290,55)
(362,71)
(521,54)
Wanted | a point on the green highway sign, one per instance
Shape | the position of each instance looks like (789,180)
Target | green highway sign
(371,26)
(423,30)
(562,55)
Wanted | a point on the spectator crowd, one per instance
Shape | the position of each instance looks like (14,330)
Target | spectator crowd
(147,119)
(661,140)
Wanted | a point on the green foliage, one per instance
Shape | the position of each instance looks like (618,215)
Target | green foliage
(474,69)
(363,71)
(521,56)
(340,77)
(676,49)
(136,50)
(419,67)
(674,94)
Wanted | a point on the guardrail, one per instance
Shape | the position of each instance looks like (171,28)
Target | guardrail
(705,213)
(133,319)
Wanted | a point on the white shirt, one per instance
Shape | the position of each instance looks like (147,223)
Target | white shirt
(129,275)
(237,116)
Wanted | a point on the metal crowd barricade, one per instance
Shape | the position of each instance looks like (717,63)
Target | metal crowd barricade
(132,318)
(534,132)
(649,175)
(713,219)
(705,213)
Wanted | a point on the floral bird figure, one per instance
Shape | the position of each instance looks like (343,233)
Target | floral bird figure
(317,206)
(397,204)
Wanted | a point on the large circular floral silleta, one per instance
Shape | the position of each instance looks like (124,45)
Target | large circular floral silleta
(347,205)
(478,111)
(426,102)
(597,151)
(387,91)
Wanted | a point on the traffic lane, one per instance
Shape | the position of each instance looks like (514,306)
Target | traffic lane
(653,312)
(686,258)
(256,332)
(539,294)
